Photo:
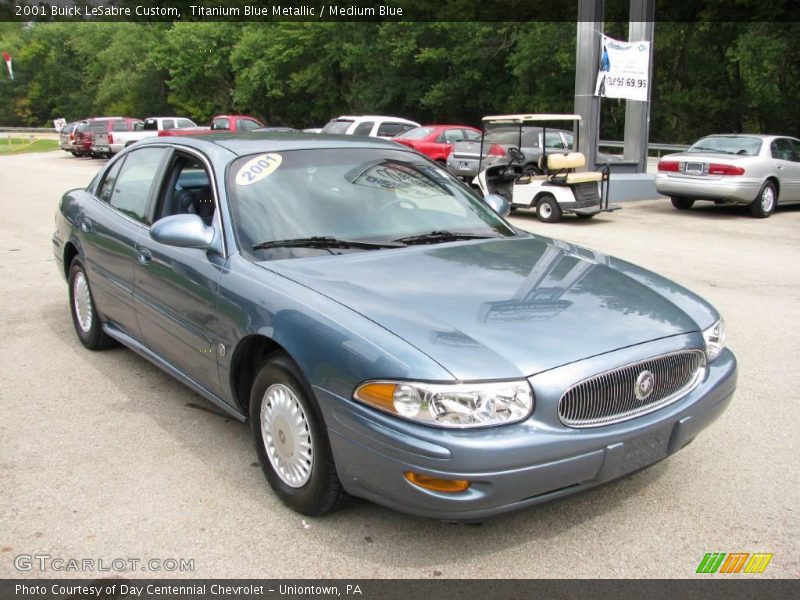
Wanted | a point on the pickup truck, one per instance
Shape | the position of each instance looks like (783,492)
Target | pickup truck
(220,123)
(106,144)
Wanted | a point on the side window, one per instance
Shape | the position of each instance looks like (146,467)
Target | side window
(782,150)
(132,186)
(451,136)
(391,129)
(119,126)
(553,140)
(471,136)
(104,193)
(796,149)
(364,128)
(182,123)
(187,190)
(220,124)
(247,125)
(168,124)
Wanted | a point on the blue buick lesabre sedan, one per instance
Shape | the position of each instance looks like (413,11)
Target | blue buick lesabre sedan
(387,333)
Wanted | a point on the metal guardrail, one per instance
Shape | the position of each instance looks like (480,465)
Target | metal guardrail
(657,148)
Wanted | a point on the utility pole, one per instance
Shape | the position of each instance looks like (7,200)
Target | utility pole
(637,114)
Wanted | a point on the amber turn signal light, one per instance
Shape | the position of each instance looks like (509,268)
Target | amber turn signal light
(436,484)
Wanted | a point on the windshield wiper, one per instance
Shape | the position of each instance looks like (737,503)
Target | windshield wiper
(322,241)
(434,237)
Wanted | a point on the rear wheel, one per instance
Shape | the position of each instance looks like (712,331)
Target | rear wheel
(764,204)
(291,439)
(84,314)
(682,203)
(547,209)
(75,153)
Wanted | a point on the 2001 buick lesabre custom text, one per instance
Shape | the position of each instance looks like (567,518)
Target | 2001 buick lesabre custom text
(388,334)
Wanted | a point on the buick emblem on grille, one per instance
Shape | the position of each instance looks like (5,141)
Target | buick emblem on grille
(644,385)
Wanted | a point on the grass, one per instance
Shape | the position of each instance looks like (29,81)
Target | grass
(23,145)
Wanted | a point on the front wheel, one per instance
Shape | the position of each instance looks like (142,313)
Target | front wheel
(682,203)
(291,439)
(764,204)
(547,209)
(84,314)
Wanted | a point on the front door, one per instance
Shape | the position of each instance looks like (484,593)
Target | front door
(176,288)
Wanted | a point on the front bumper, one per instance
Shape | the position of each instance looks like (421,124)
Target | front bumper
(514,466)
(740,190)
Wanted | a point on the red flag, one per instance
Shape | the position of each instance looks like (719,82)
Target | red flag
(7,58)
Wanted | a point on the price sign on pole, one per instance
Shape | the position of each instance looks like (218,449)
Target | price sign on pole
(624,70)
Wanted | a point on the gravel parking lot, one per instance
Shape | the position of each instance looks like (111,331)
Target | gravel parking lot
(103,456)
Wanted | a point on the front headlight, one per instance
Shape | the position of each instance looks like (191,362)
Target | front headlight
(451,405)
(714,337)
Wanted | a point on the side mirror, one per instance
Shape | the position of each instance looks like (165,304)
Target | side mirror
(498,204)
(183,231)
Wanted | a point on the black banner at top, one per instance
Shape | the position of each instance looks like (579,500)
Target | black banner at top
(385,10)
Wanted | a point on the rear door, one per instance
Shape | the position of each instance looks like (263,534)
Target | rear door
(787,165)
(109,231)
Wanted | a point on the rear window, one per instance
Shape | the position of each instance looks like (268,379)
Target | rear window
(337,126)
(220,124)
(119,126)
(97,126)
(741,145)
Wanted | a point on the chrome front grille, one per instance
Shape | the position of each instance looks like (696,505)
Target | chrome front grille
(611,397)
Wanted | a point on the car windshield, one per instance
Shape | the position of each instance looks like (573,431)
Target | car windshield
(337,126)
(742,145)
(416,134)
(363,195)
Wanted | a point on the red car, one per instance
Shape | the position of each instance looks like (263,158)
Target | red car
(229,123)
(436,141)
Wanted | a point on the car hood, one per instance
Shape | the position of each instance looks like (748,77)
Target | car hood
(503,307)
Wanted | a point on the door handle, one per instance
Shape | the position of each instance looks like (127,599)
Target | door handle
(87,226)
(144,256)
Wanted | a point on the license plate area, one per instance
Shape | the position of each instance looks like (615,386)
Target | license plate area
(693,168)
(645,450)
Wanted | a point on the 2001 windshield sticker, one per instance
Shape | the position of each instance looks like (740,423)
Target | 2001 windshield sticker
(258,168)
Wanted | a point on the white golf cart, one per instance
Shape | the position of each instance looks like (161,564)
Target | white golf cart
(555,188)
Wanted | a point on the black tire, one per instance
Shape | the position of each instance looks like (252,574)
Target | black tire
(547,209)
(321,492)
(682,203)
(766,201)
(93,336)
(76,154)
(531,169)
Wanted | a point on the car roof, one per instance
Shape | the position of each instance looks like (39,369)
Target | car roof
(365,117)
(243,144)
(530,118)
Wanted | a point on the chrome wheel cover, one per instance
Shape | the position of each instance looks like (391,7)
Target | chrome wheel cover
(82,301)
(287,435)
(767,199)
